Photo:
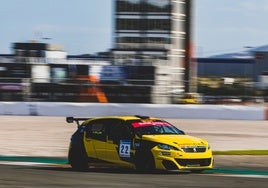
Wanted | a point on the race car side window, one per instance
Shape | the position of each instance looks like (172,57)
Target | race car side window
(112,128)
(118,131)
(96,130)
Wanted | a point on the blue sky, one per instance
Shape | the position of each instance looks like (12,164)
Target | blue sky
(81,26)
(85,26)
(223,26)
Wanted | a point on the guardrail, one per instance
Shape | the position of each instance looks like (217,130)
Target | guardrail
(233,112)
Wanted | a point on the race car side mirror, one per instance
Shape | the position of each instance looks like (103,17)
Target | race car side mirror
(70,119)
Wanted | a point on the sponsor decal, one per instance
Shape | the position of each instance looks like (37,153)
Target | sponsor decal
(148,124)
(137,144)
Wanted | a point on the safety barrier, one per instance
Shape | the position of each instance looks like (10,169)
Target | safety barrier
(234,112)
(266,113)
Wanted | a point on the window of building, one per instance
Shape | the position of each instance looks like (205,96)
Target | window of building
(20,52)
(129,40)
(157,40)
(149,6)
(128,24)
(159,24)
(128,6)
(163,6)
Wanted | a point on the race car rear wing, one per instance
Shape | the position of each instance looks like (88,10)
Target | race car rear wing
(76,120)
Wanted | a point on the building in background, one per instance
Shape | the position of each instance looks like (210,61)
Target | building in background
(261,68)
(153,32)
(251,64)
(44,72)
(226,67)
(34,52)
(150,57)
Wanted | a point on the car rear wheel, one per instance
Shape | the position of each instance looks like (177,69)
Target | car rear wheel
(77,158)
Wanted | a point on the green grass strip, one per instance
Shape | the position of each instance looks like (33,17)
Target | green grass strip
(237,171)
(241,152)
(34,159)
(64,160)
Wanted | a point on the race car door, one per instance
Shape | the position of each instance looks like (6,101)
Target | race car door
(110,140)
(119,142)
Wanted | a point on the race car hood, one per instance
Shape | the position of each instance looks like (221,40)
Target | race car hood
(176,140)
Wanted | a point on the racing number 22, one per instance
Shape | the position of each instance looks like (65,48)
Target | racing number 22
(124,150)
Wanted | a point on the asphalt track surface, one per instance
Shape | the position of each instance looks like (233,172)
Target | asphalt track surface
(49,136)
(57,177)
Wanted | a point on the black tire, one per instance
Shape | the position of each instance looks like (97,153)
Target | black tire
(144,162)
(77,158)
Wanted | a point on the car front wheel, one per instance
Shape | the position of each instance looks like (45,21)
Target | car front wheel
(144,161)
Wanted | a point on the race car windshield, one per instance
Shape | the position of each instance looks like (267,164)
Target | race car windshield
(155,128)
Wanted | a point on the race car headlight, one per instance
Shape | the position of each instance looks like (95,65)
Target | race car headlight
(166,147)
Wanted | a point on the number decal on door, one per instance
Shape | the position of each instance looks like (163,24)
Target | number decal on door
(124,148)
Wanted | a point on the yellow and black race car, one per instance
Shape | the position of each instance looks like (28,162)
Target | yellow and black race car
(139,142)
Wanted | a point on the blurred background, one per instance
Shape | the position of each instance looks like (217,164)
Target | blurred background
(134,51)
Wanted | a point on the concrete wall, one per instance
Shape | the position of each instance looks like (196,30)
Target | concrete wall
(232,112)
